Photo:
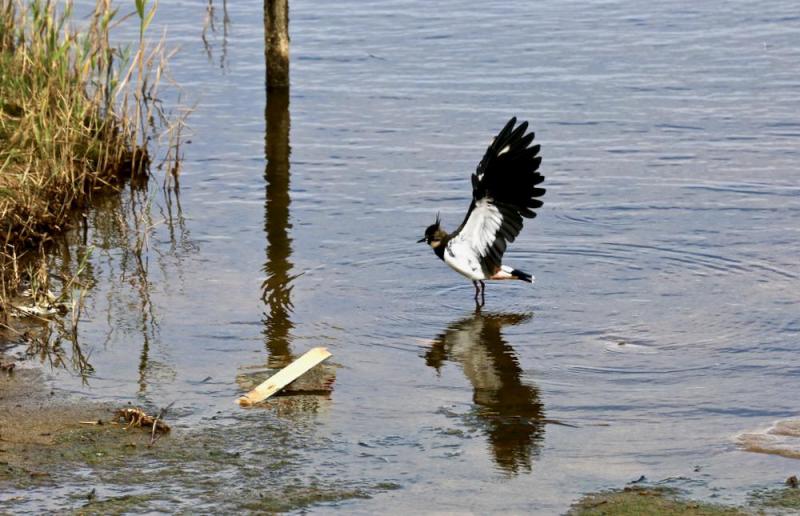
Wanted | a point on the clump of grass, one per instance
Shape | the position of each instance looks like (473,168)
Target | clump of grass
(76,115)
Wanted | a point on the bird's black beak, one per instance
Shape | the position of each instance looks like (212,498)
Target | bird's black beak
(421,240)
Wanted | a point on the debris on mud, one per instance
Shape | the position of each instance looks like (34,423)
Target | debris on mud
(42,305)
(136,417)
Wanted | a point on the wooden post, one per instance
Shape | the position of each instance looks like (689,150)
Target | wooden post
(276,43)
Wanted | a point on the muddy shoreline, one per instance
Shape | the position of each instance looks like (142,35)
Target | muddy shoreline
(34,420)
(59,452)
(47,435)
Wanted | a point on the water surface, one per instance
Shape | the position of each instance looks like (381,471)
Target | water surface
(663,321)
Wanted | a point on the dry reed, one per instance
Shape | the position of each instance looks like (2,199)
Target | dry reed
(76,117)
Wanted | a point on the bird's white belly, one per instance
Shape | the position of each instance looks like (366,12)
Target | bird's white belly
(460,256)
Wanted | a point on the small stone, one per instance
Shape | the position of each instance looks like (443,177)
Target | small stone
(792,481)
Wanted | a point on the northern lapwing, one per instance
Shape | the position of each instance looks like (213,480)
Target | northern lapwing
(504,191)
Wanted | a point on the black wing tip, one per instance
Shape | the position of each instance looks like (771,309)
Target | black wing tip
(509,170)
(512,135)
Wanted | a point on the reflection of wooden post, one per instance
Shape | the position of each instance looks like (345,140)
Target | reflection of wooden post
(276,43)
(277,286)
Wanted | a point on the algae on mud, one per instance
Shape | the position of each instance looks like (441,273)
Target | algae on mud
(635,501)
(33,425)
(660,501)
(782,499)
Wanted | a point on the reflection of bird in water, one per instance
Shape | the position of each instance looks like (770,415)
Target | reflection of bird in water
(504,190)
(508,410)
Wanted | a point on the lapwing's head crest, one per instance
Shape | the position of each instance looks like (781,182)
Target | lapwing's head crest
(433,233)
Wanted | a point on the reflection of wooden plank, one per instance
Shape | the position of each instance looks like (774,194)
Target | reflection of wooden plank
(285,376)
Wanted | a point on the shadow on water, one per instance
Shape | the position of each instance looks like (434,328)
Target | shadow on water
(507,410)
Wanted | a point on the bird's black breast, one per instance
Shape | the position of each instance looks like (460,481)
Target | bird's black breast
(440,249)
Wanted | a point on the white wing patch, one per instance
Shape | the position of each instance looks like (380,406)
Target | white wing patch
(482,226)
(465,250)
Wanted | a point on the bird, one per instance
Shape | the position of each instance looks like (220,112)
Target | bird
(504,192)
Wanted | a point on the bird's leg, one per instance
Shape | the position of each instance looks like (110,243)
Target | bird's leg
(477,290)
(483,288)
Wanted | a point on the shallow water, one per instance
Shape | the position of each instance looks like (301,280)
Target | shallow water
(663,321)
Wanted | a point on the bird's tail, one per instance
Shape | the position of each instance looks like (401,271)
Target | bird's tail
(518,274)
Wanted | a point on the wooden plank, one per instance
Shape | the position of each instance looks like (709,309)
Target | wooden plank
(284,377)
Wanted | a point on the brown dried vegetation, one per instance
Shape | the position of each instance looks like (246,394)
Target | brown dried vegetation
(76,115)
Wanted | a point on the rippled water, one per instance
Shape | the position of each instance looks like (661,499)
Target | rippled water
(664,320)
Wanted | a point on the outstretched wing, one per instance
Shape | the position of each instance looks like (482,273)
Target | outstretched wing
(504,191)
